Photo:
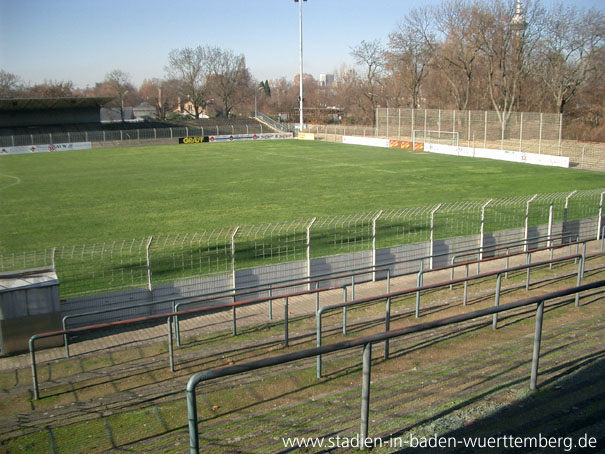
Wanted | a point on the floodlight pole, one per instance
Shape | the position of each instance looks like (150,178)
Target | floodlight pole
(300,97)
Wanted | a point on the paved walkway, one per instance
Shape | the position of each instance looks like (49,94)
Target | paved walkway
(258,314)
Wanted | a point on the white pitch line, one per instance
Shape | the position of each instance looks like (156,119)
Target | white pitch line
(340,164)
(12,184)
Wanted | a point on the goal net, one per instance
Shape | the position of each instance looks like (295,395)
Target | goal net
(436,137)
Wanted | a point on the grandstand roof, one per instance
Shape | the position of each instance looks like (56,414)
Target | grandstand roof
(16,104)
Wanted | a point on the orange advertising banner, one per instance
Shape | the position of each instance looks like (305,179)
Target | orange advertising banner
(405,145)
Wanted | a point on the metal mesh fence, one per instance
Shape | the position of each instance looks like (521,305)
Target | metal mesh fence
(85,269)
(130,135)
(270,243)
(523,131)
(527,132)
(149,262)
(173,257)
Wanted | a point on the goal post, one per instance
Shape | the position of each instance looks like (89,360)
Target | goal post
(435,137)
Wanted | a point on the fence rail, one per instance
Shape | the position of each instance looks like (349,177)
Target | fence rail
(366,342)
(150,264)
(131,135)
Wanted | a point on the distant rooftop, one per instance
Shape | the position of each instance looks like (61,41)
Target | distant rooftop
(20,104)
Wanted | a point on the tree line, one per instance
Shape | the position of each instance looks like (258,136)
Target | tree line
(460,54)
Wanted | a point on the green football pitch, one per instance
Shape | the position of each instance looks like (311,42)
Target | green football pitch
(100,195)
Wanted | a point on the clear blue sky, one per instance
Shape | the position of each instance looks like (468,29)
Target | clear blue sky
(82,40)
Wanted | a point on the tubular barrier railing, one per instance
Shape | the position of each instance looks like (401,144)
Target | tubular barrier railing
(169,316)
(387,297)
(508,245)
(295,283)
(176,307)
(317,278)
(366,342)
(507,256)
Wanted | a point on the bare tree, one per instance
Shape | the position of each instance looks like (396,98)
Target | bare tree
(190,67)
(118,83)
(569,40)
(456,55)
(370,56)
(228,77)
(507,42)
(11,85)
(410,54)
(163,94)
(52,89)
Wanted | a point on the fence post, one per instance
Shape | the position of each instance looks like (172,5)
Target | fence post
(374,244)
(485,130)
(468,128)
(233,256)
(365,392)
(425,115)
(439,125)
(454,120)
(170,351)
(376,125)
(148,257)
(600,220)
(286,336)
(502,128)
(526,237)
(318,340)
(537,340)
(387,122)
(567,207)
(387,326)
(482,233)
(540,134)
(309,249)
(560,131)
(412,126)
(549,241)
(431,245)
(497,301)
(521,133)
(399,124)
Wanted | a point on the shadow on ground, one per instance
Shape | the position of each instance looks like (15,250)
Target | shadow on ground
(568,412)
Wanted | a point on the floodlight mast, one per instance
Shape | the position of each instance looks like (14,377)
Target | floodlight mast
(300,96)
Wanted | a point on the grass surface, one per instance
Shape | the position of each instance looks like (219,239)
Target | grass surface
(84,197)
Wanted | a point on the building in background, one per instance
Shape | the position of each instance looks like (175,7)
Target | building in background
(326,80)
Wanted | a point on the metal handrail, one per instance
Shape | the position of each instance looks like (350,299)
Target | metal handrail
(511,244)
(270,122)
(417,290)
(366,342)
(233,292)
(317,279)
(169,316)
(291,283)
